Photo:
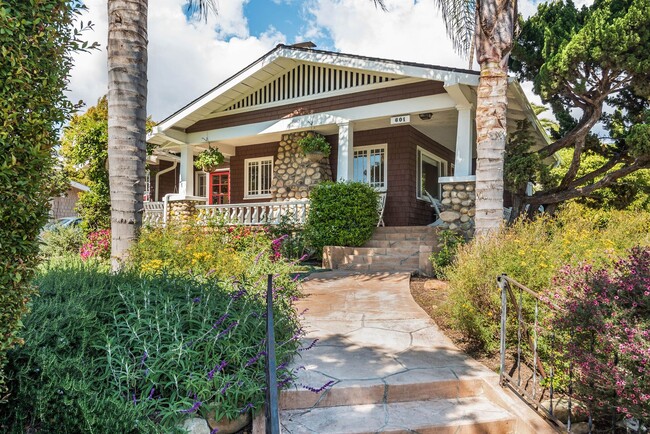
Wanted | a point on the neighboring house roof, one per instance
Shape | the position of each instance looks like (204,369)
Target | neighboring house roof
(79,186)
(230,95)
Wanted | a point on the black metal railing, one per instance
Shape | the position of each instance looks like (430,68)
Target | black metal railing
(540,379)
(272,406)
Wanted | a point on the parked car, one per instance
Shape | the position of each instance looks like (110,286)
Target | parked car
(64,222)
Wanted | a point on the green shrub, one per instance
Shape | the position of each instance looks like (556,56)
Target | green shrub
(448,242)
(61,241)
(38,40)
(341,214)
(121,353)
(532,253)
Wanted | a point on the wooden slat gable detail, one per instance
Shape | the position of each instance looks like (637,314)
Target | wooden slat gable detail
(321,105)
(306,80)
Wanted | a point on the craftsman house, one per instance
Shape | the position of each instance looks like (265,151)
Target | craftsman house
(403,127)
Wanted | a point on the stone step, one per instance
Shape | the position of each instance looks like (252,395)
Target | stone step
(382,251)
(382,260)
(369,268)
(471,415)
(399,244)
(399,236)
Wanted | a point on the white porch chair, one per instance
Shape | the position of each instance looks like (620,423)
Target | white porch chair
(436,205)
(381,204)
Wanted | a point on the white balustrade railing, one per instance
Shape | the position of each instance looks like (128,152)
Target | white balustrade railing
(251,214)
(153,214)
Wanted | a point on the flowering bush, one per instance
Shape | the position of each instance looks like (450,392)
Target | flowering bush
(607,315)
(532,253)
(125,353)
(98,245)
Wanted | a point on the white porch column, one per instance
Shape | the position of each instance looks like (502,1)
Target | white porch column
(464,141)
(186,181)
(346,154)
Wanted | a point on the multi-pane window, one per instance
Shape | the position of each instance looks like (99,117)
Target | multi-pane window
(429,169)
(258,176)
(369,166)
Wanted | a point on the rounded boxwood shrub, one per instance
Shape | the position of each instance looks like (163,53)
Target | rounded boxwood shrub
(341,214)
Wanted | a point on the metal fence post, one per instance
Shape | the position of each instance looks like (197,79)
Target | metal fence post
(272,410)
(504,306)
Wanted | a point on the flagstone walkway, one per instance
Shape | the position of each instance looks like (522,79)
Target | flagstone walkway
(387,367)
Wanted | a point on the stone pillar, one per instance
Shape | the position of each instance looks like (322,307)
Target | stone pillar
(293,174)
(182,212)
(459,207)
(346,154)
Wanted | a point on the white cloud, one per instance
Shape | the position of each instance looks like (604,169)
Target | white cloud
(408,31)
(185,59)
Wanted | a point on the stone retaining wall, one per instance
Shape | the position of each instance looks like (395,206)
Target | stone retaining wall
(459,207)
(293,174)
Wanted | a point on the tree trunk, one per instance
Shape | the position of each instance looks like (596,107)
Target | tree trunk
(127,101)
(491,134)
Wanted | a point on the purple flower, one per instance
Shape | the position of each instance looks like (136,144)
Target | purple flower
(320,389)
(135,401)
(255,358)
(310,346)
(143,358)
(220,321)
(230,326)
(214,431)
(259,255)
(246,408)
(224,388)
(194,407)
(151,392)
(217,368)
(196,300)
(239,294)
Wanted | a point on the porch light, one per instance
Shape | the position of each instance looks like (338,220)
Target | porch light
(425,116)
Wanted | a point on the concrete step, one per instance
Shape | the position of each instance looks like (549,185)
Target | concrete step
(405,229)
(471,415)
(399,244)
(382,260)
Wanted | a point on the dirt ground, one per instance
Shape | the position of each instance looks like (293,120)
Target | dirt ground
(431,294)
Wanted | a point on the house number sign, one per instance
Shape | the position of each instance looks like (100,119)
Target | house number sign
(404,119)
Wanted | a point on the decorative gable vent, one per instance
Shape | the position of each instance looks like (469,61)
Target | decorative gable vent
(305,80)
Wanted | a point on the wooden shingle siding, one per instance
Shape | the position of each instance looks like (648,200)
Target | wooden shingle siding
(394,93)
(237,168)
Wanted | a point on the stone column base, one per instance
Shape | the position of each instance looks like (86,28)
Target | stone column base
(459,207)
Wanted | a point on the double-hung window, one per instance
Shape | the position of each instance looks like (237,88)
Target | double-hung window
(200,184)
(369,166)
(258,173)
(429,169)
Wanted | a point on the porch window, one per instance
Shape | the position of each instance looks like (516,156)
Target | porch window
(369,166)
(429,169)
(258,173)
(200,184)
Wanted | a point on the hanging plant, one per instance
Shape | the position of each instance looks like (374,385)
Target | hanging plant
(315,146)
(209,160)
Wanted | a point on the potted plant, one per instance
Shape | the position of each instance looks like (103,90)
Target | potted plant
(209,160)
(315,146)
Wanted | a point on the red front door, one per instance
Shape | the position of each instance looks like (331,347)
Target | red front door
(219,188)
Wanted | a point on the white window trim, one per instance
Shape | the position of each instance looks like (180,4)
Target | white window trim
(246,168)
(383,146)
(418,170)
(197,176)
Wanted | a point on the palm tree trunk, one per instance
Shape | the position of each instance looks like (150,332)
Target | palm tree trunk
(127,100)
(492,103)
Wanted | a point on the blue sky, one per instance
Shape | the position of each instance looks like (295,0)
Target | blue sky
(187,58)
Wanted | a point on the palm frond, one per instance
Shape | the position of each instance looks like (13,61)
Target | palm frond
(200,8)
(460,21)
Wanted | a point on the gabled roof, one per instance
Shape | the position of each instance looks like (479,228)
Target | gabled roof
(282,59)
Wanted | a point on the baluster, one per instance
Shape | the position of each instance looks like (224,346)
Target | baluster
(254,214)
(519,321)
(535,349)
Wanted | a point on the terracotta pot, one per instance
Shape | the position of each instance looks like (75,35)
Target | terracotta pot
(314,157)
(226,426)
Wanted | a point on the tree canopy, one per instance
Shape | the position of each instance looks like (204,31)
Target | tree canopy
(593,62)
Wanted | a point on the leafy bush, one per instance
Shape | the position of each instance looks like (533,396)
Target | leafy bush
(38,40)
(122,353)
(341,214)
(607,315)
(223,252)
(61,241)
(448,242)
(532,253)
